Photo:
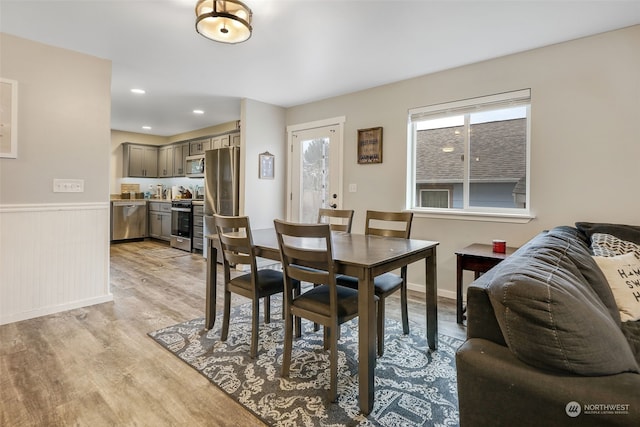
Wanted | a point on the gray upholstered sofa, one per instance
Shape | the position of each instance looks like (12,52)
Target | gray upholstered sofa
(545,342)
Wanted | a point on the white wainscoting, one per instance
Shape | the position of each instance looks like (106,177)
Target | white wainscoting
(53,257)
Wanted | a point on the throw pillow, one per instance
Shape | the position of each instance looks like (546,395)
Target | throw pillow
(623,274)
(608,245)
(630,233)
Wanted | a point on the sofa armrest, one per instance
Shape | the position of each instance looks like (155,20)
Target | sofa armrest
(497,389)
(481,319)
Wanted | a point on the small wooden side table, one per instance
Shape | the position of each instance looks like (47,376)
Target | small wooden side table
(478,258)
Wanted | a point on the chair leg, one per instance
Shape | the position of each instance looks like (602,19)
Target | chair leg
(326,337)
(403,308)
(316,326)
(288,343)
(255,325)
(226,315)
(333,361)
(380,327)
(296,319)
(267,309)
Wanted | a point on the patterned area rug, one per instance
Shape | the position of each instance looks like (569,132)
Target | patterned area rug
(413,386)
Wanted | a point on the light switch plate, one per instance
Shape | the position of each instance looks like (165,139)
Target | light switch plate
(353,188)
(68,185)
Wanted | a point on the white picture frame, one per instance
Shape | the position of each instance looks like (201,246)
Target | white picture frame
(8,118)
(266,165)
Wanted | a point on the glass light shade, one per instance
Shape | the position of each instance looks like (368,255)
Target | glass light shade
(226,21)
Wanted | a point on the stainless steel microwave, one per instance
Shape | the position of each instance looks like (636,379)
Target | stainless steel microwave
(194,166)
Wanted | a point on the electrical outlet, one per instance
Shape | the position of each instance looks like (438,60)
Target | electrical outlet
(68,185)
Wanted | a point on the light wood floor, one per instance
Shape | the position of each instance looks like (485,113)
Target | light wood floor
(96,366)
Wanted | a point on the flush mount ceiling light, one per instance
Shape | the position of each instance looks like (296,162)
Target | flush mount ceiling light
(226,21)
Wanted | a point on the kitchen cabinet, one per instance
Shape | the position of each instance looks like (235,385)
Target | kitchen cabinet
(197,241)
(180,153)
(160,220)
(220,141)
(235,139)
(199,146)
(165,161)
(139,160)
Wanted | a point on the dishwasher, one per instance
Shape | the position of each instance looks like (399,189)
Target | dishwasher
(128,219)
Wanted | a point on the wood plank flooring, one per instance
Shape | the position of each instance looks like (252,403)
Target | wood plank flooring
(95,366)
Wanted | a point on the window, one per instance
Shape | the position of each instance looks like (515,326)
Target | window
(471,156)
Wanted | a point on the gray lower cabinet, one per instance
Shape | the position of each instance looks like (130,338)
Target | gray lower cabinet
(160,220)
(198,227)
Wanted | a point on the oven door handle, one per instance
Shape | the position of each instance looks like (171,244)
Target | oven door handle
(181,209)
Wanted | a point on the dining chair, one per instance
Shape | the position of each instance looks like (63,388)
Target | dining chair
(307,255)
(237,245)
(344,218)
(386,224)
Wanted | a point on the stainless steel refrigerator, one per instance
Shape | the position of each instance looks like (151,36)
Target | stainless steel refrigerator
(221,187)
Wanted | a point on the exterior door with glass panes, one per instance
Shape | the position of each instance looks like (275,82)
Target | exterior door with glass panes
(316,172)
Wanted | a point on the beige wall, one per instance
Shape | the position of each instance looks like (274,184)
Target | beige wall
(64,110)
(584,136)
(262,130)
(54,247)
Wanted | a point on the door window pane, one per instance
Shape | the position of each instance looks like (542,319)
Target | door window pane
(315,178)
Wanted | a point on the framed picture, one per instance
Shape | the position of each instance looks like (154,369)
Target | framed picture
(266,165)
(8,118)
(370,145)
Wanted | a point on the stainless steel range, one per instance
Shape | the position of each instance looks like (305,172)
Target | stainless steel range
(181,218)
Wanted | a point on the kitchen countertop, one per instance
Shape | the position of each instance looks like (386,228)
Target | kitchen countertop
(193,201)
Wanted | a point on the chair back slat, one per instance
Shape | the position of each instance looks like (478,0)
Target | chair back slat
(338,219)
(389,224)
(236,241)
(307,252)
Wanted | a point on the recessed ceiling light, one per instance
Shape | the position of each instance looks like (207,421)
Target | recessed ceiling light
(146,127)
(448,149)
(198,112)
(139,91)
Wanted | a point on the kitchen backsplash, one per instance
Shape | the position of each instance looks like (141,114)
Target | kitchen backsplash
(149,184)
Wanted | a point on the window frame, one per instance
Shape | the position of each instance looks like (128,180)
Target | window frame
(463,107)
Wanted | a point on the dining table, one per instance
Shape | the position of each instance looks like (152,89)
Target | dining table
(364,257)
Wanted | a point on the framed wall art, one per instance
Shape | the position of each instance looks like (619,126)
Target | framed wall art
(266,165)
(8,118)
(370,145)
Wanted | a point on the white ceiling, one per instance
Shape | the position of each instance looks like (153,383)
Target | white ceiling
(300,50)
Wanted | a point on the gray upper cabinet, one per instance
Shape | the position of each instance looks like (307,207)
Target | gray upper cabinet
(165,161)
(140,160)
(180,153)
(199,146)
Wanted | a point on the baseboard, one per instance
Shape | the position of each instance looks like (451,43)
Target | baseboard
(444,293)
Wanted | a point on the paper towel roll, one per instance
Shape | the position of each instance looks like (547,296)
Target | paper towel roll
(175,192)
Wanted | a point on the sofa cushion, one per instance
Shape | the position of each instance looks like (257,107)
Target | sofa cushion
(550,315)
(609,245)
(623,274)
(625,232)
(580,253)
